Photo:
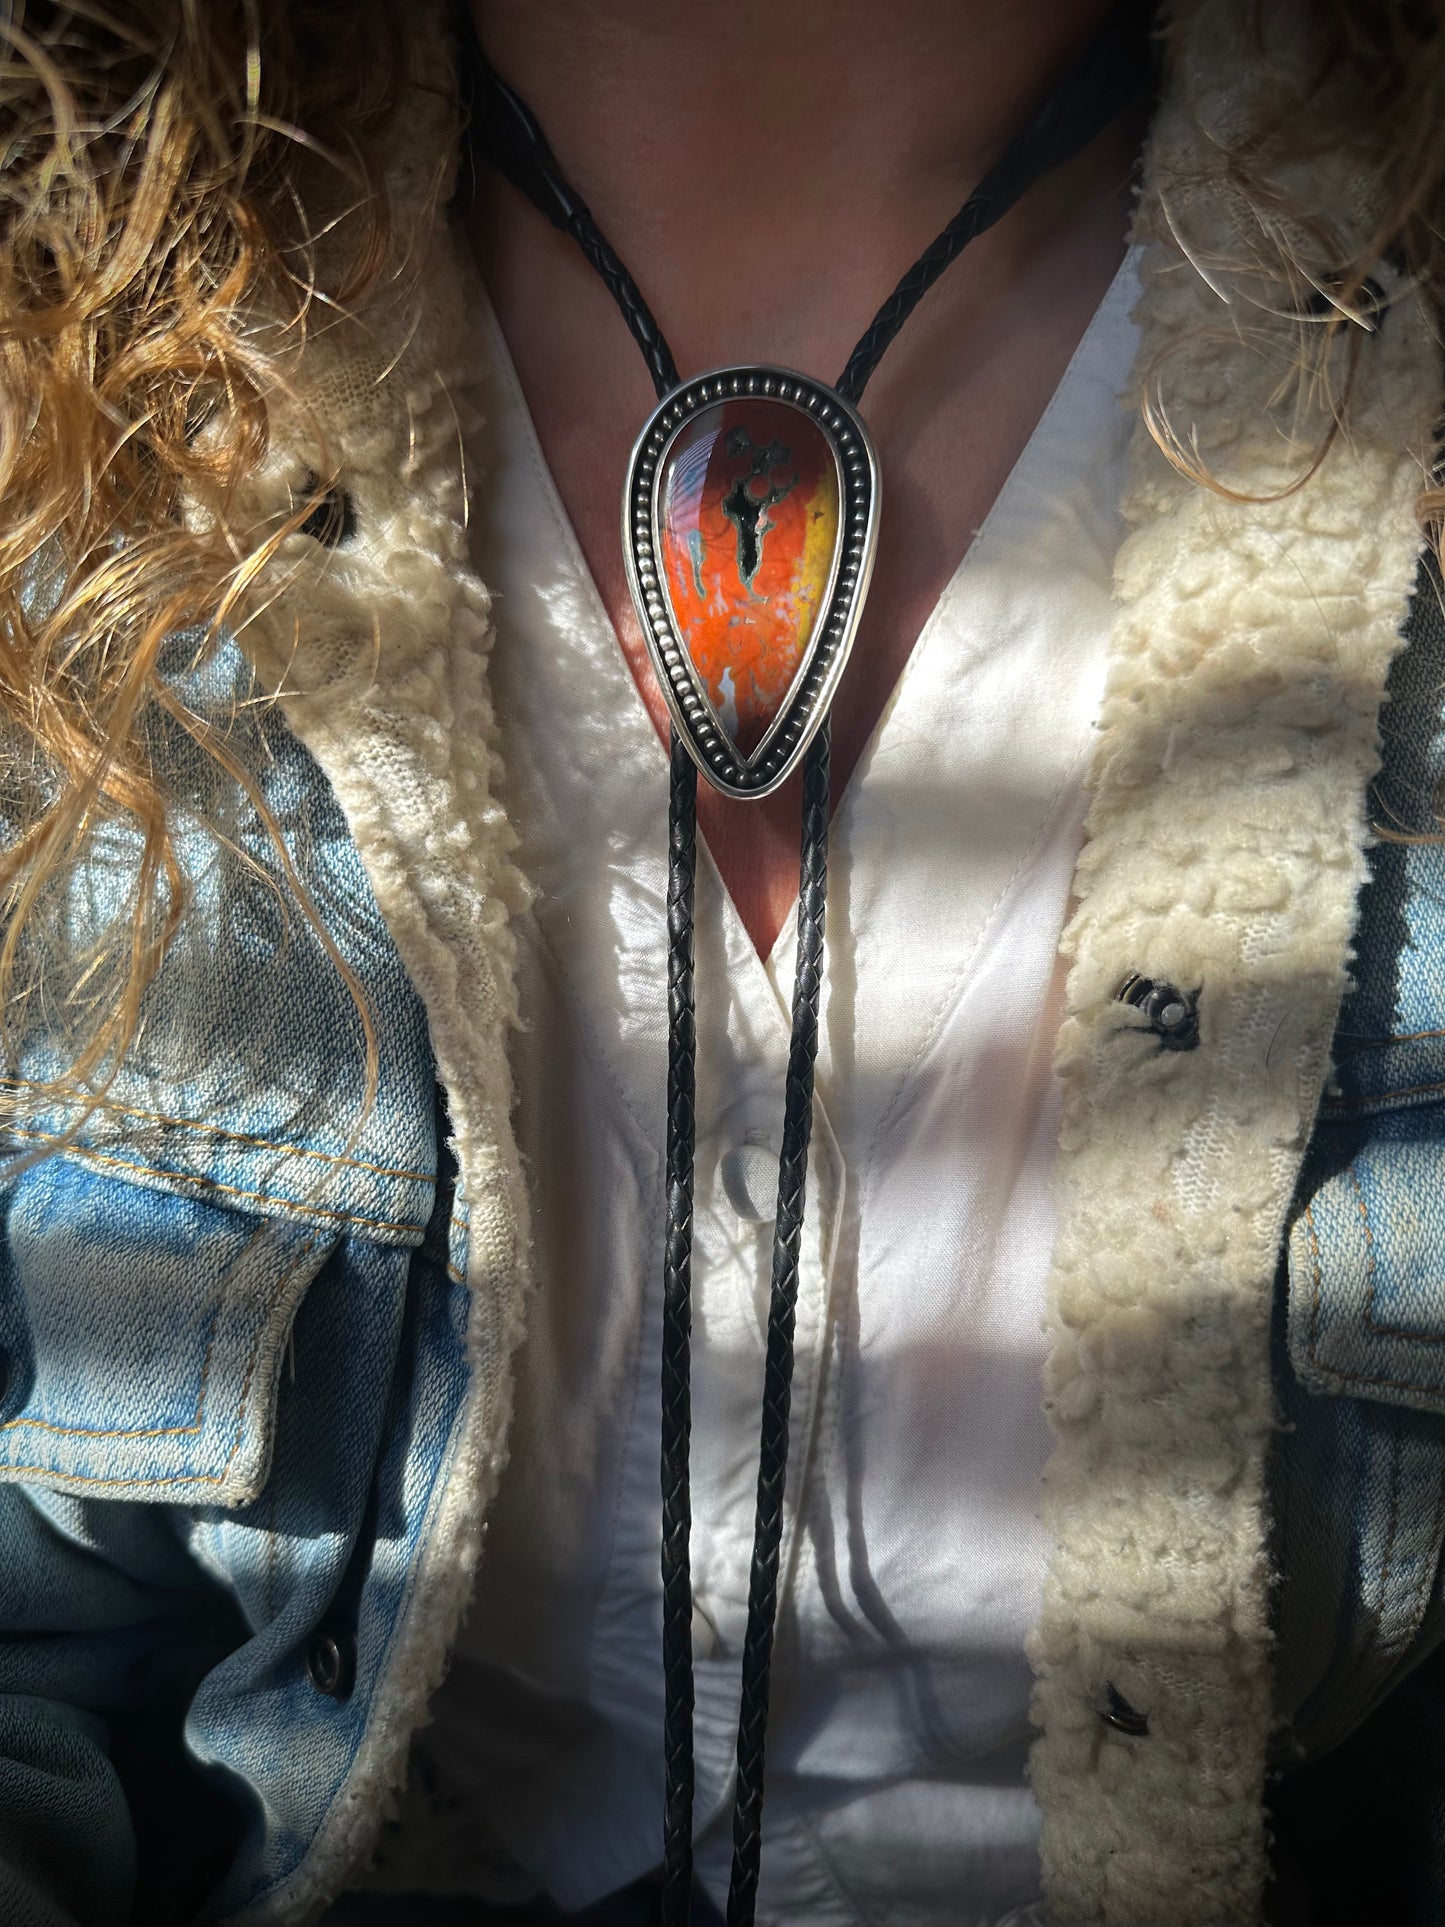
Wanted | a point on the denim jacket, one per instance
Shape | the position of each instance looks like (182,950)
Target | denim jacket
(1358,1465)
(231,1327)
(257,1306)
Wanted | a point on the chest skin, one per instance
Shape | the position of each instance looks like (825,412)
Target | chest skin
(951,408)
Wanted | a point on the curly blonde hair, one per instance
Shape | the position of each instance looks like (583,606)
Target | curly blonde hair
(1374,92)
(159,178)
(162,172)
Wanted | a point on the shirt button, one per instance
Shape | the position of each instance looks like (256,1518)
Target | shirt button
(749,1174)
(705,1641)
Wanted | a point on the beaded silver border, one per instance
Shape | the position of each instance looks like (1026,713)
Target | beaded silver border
(780,751)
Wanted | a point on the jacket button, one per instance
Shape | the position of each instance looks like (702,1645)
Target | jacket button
(1370,303)
(331,1665)
(332,522)
(1173,1014)
(1124,1718)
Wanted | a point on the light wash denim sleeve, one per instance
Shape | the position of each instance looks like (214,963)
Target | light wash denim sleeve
(1358,1472)
(67,1851)
(89,1643)
(233,1340)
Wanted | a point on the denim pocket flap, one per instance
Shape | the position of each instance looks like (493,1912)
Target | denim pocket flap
(1385,1073)
(1367,1283)
(142,1336)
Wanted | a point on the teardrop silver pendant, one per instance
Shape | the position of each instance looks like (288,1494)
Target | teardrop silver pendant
(749,524)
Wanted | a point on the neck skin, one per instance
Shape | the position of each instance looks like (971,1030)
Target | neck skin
(768,171)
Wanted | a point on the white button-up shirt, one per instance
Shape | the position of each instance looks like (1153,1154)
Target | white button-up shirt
(912,1555)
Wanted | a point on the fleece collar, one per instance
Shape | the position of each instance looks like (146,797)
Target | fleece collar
(1225,851)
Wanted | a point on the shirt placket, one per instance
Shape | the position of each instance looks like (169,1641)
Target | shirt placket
(743,1057)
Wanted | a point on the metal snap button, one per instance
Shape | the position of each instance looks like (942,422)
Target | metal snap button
(332,522)
(331,1664)
(1369,309)
(1173,1014)
(1124,1718)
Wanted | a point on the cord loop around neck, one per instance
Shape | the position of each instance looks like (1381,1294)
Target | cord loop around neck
(1112,70)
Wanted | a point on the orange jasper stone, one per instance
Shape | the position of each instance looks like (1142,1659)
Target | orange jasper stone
(747,524)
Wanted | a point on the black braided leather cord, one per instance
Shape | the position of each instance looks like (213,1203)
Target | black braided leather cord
(778,1371)
(508,134)
(1112,70)
(677,1343)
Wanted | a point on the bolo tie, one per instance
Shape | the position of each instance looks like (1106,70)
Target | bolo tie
(749,523)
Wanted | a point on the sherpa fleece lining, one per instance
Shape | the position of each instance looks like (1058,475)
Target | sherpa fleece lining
(1224,855)
(378,651)
(1225,852)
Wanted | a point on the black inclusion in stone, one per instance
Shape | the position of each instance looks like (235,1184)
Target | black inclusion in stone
(745,509)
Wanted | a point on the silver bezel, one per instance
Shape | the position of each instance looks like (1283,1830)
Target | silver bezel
(780,751)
